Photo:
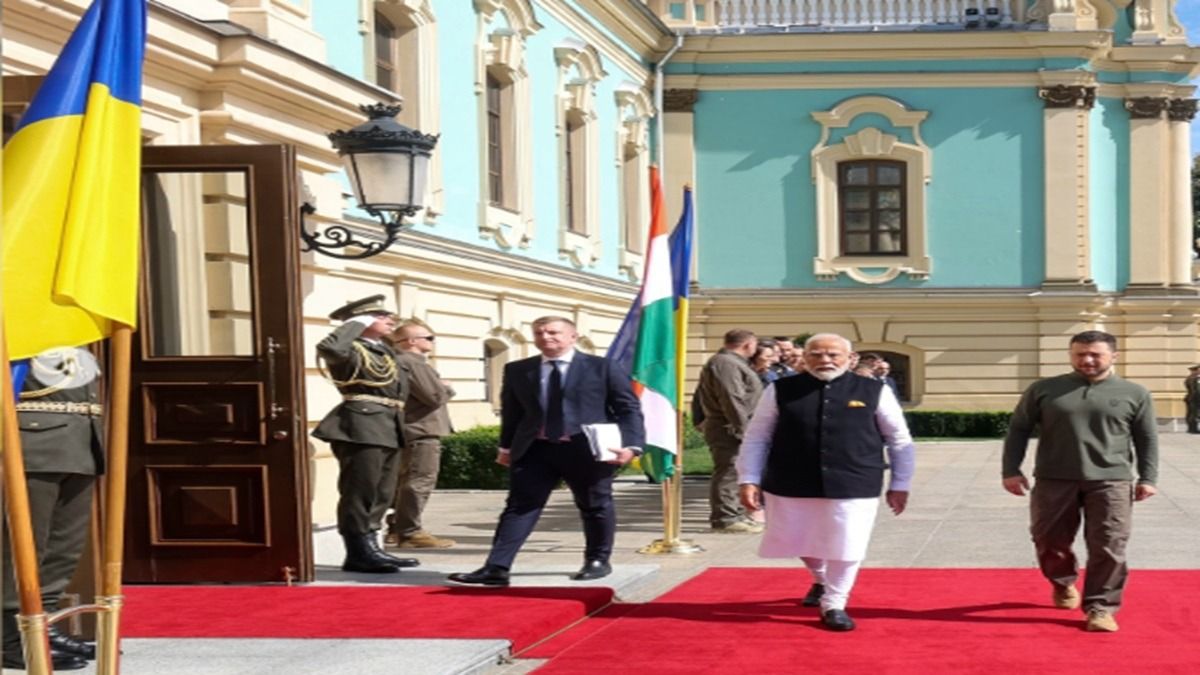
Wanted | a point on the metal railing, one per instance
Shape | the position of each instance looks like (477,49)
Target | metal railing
(833,15)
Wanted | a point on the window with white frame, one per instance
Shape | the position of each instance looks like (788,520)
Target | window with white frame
(870,193)
(634,111)
(575,173)
(502,88)
(501,174)
(579,70)
(400,55)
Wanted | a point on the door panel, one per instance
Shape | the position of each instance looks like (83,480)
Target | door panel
(218,474)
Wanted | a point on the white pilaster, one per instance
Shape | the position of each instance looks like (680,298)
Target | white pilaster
(1150,156)
(1068,242)
(1180,113)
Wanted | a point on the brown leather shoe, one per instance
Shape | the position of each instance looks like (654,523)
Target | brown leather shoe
(1100,621)
(423,539)
(1065,597)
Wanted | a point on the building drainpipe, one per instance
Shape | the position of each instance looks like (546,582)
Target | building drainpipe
(659,78)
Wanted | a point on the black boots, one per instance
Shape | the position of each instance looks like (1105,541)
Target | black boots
(14,656)
(363,554)
(373,542)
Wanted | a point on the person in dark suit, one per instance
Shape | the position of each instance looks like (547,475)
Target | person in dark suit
(545,400)
(61,440)
(365,430)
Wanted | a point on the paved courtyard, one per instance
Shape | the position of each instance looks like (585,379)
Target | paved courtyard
(958,516)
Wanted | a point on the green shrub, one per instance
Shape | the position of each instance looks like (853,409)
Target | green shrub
(696,459)
(948,424)
(469,457)
(469,460)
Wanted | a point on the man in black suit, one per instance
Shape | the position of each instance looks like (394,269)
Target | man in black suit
(544,402)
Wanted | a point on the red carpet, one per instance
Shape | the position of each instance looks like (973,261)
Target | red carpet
(521,615)
(913,621)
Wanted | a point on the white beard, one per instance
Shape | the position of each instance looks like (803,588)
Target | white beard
(828,375)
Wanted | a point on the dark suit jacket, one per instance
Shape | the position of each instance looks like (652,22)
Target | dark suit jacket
(595,390)
(361,422)
(54,442)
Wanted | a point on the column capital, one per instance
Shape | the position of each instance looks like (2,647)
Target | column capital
(680,100)
(1146,107)
(1068,96)
(1181,109)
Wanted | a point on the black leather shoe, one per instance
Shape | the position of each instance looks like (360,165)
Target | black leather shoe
(377,551)
(593,569)
(67,644)
(488,575)
(58,660)
(814,595)
(837,619)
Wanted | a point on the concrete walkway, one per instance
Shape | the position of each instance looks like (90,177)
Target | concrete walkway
(958,516)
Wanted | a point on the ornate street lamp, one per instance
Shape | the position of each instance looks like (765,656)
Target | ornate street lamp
(388,166)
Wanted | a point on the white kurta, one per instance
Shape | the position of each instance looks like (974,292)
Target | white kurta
(832,529)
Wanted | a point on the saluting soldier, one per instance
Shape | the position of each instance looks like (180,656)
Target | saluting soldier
(365,429)
(60,417)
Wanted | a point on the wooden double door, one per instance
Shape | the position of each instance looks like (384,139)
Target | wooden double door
(218,487)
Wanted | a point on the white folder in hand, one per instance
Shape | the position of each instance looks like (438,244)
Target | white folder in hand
(604,439)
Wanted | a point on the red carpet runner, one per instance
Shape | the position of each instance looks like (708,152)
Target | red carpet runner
(911,621)
(521,615)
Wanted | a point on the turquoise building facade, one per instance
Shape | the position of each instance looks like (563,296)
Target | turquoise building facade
(1034,159)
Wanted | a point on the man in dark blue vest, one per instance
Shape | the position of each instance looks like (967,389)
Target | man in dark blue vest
(813,455)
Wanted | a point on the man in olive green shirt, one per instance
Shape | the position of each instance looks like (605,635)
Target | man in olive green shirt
(726,395)
(426,420)
(1095,429)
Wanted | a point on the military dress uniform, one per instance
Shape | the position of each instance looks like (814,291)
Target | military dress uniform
(59,413)
(366,433)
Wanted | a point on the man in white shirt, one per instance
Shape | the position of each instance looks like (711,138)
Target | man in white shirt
(813,457)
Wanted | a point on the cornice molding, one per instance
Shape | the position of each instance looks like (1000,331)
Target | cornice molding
(577,23)
(642,31)
(768,81)
(415,249)
(892,46)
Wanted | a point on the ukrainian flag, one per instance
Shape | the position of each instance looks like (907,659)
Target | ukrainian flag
(71,189)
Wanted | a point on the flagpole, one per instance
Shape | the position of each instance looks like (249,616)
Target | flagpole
(32,617)
(672,486)
(108,642)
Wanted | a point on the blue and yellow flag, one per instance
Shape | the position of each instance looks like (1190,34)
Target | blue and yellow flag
(71,189)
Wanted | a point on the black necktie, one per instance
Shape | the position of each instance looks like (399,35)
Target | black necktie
(554,408)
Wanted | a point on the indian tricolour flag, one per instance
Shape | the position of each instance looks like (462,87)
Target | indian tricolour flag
(655,354)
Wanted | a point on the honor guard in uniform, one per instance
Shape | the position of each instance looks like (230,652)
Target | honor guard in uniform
(365,429)
(61,431)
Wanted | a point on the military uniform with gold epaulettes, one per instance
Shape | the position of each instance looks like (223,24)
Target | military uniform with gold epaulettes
(366,433)
(61,441)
